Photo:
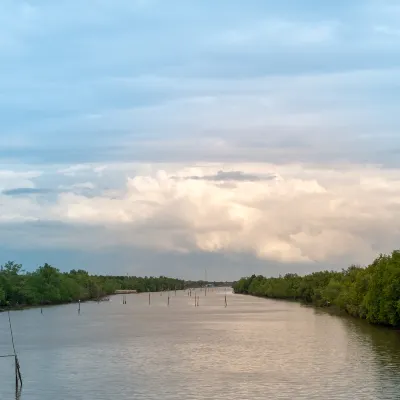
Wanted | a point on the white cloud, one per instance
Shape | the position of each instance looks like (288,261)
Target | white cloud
(14,179)
(74,170)
(306,214)
(82,185)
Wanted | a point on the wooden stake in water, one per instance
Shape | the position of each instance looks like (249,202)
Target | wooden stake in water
(149,298)
(18,377)
(168,299)
(226,303)
(79,307)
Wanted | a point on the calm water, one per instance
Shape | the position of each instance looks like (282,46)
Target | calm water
(253,349)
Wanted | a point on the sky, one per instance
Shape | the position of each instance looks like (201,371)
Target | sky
(157,137)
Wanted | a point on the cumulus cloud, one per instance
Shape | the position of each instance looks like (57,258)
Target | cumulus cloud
(306,214)
(238,112)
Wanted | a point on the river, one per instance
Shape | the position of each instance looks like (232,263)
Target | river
(252,349)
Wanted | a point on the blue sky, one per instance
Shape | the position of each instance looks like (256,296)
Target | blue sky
(95,94)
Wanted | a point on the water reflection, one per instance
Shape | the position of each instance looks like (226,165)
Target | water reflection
(383,343)
(252,349)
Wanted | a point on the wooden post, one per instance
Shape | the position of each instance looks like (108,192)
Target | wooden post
(18,377)
(79,307)
(168,299)
(16,373)
(226,303)
(18,370)
(149,298)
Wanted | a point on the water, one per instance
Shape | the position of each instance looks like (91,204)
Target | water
(253,349)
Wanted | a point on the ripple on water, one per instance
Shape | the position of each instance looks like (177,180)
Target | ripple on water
(253,349)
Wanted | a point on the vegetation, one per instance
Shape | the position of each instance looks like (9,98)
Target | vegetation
(199,284)
(371,293)
(47,285)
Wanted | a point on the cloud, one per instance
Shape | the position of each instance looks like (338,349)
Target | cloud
(307,214)
(226,176)
(74,170)
(241,133)
(273,32)
(10,179)
(83,185)
(26,191)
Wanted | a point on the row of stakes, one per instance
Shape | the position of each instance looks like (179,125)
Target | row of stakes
(196,298)
(189,293)
(18,377)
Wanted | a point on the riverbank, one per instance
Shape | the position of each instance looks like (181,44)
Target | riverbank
(49,286)
(371,293)
(21,307)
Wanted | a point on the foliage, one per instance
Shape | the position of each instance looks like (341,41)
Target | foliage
(371,293)
(47,285)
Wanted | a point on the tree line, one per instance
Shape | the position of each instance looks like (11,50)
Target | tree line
(47,285)
(371,293)
(201,283)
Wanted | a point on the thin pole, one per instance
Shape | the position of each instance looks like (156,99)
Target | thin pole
(149,298)
(79,307)
(11,331)
(17,371)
